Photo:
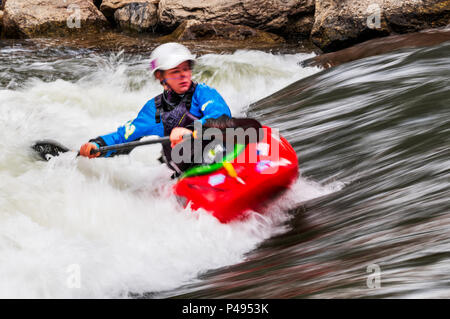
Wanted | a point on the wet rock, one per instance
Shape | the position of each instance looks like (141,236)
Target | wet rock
(108,7)
(299,26)
(268,15)
(138,17)
(195,30)
(340,24)
(32,18)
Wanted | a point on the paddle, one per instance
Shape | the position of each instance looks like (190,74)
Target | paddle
(47,149)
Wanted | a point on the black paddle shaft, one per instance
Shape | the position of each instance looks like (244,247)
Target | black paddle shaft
(47,149)
(126,146)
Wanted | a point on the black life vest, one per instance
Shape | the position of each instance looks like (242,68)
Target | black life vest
(171,117)
(177,116)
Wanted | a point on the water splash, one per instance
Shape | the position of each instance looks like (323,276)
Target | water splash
(74,227)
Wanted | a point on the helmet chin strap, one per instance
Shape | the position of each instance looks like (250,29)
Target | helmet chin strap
(169,91)
(165,84)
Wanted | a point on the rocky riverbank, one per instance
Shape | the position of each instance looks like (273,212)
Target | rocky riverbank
(330,25)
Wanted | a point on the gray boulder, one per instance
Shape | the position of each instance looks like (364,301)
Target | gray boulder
(139,17)
(108,7)
(32,18)
(271,15)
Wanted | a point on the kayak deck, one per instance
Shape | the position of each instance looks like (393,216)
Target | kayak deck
(258,175)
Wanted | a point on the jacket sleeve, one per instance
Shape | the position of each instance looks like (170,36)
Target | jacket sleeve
(208,103)
(144,124)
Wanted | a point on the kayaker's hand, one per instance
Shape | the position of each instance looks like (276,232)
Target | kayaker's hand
(176,136)
(85,150)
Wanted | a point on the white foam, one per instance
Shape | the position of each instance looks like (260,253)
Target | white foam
(115,220)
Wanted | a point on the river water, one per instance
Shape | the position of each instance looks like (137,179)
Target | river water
(368,217)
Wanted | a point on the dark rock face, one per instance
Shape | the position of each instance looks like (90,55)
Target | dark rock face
(299,27)
(98,3)
(195,30)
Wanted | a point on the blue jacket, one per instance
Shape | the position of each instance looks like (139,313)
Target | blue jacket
(206,103)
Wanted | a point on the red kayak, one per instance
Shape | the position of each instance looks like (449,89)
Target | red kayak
(247,180)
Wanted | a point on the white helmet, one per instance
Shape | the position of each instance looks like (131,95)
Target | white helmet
(168,56)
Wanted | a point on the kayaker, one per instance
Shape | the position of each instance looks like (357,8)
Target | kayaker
(182,102)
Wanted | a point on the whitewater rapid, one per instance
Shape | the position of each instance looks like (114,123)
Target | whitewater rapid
(79,228)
